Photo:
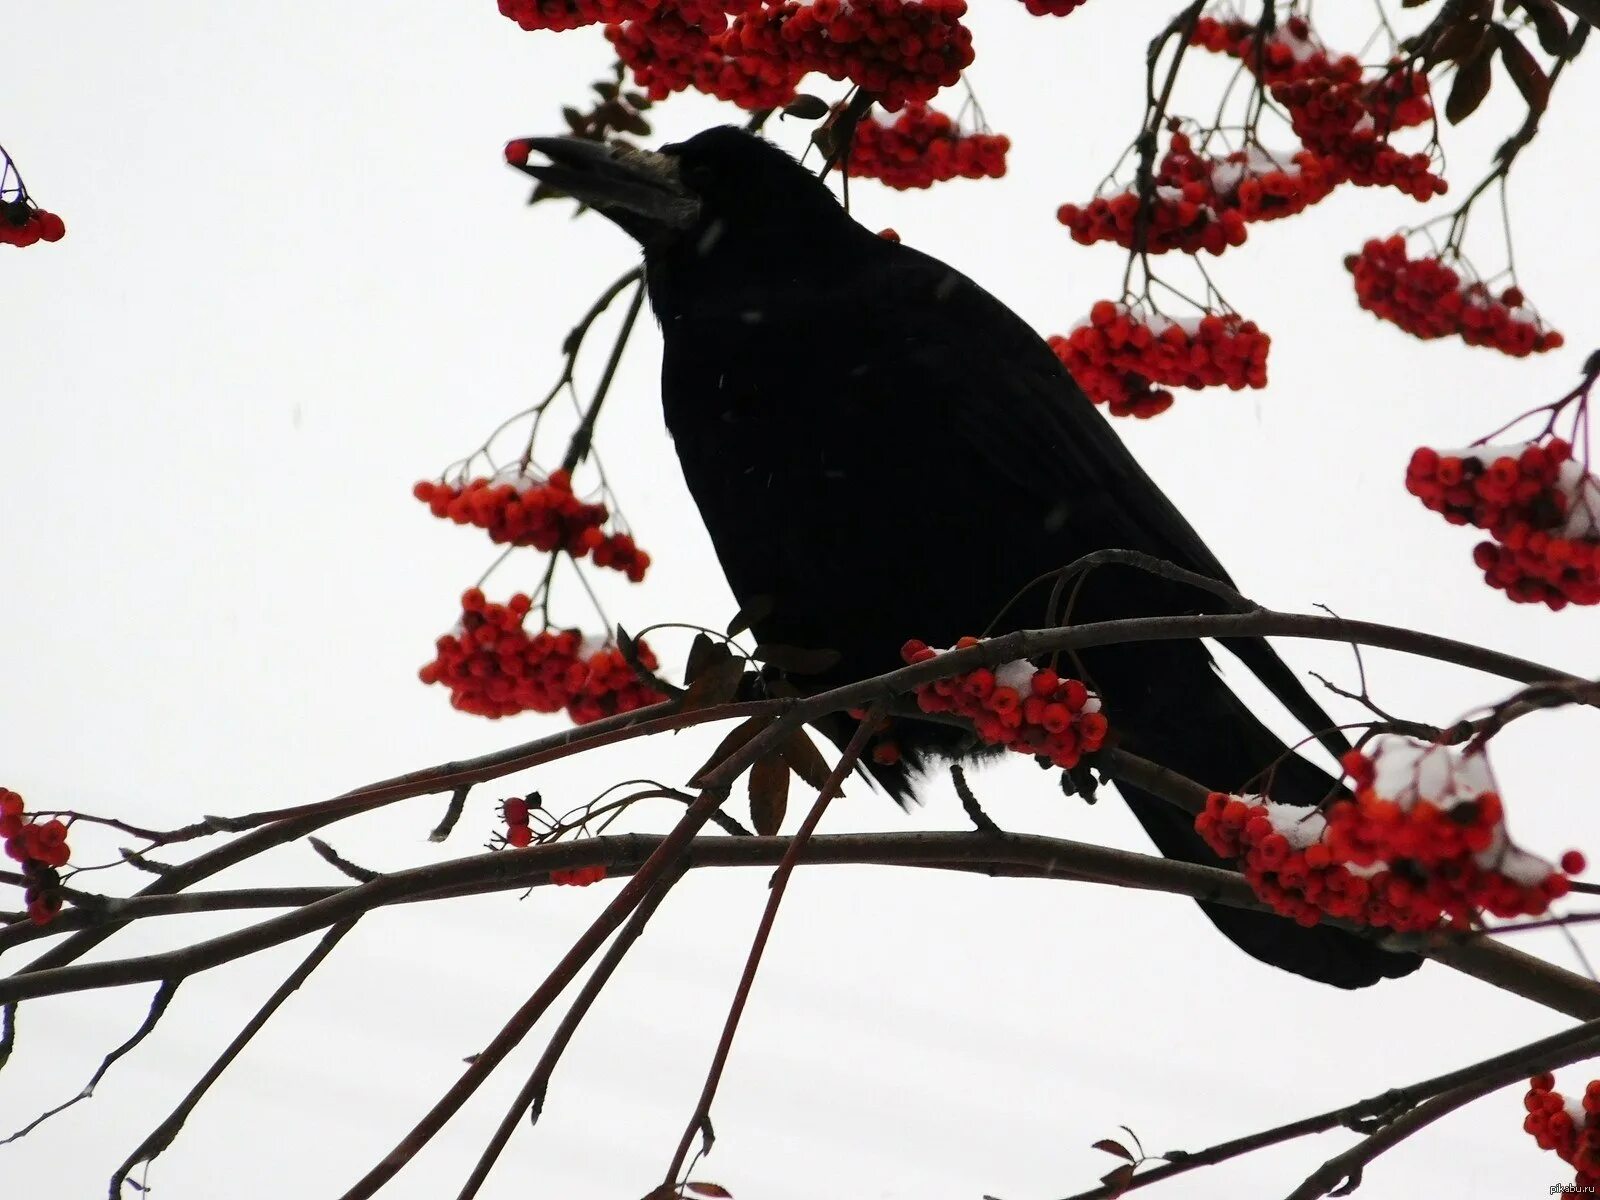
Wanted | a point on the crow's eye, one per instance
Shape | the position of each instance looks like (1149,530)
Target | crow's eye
(697,175)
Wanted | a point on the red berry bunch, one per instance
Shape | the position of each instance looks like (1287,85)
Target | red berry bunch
(578,876)
(1428,299)
(1117,355)
(1180,218)
(23,224)
(493,668)
(40,846)
(899,50)
(1051,8)
(1422,841)
(1336,120)
(515,810)
(1571,1128)
(923,147)
(561,15)
(1293,54)
(1259,185)
(522,511)
(1343,118)
(1540,506)
(1288,54)
(662,65)
(1032,711)
(1202,203)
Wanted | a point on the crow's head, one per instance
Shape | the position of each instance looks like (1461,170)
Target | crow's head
(722,198)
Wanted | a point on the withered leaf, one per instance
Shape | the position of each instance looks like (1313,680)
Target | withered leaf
(1524,70)
(796,660)
(1112,1146)
(806,108)
(1549,23)
(1457,43)
(737,737)
(715,1190)
(718,683)
(758,608)
(1470,88)
(1118,1179)
(802,755)
(704,651)
(769,794)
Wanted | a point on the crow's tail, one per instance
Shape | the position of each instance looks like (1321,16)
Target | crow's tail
(1219,742)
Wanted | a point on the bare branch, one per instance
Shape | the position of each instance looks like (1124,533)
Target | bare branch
(700,1121)
(158,1007)
(161,1137)
(530,1099)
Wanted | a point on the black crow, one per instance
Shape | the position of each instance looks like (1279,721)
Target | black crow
(881,450)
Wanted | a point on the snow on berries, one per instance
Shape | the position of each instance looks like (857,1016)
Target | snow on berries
(494,668)
(1032,711)
(923,146)
(1539,505)
(1422,841)
(1178,217)
(1429,299)
(1126,359)
(1342,113)
(39,844)
(520,510)
(1201,203)
(1569,1128)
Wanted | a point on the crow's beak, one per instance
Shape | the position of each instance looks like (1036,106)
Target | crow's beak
(638,189)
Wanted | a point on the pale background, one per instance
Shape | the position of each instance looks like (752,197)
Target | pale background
(297,277)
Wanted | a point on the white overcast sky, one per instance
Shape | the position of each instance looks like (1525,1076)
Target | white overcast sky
(298,277)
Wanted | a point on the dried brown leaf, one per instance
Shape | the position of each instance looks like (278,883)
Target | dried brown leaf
(769,794)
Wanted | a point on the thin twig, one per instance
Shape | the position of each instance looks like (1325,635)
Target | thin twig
(163,1134)
(700,1120)
(1543,1055)
(158,1007)
(530,1099)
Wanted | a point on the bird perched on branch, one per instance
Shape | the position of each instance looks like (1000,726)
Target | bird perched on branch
(881,450)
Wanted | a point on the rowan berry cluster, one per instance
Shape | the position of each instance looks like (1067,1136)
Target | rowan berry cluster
(1204,203)
(662,65)
(40,846)
(23,224)
(1118,355)
(1178,218)
(1343,118)
(493,668)
(519,510)
(1570,1128)
(1422,841)
(922,147)
(578,876)
(1429,299)
(1052,8)
(561,15)
(1257,184)
(516,812)
(1539,505)
(899,50)
(1032,711)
